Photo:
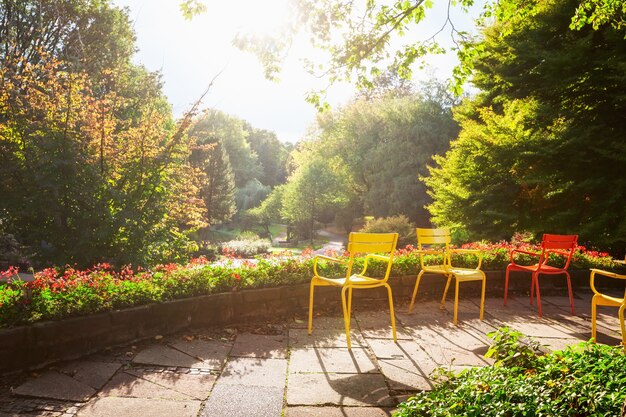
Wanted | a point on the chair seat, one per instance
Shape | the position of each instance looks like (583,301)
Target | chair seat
(545,269)
(355,280)
(467,274)
(461,274)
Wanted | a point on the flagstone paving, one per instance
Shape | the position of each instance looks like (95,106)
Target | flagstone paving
(274,369)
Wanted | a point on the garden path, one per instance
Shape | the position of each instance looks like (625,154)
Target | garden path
(265,369)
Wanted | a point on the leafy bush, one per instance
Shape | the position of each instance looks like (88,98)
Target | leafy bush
(585,380)
(395,224)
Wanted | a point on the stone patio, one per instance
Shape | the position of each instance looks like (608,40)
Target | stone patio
(265,369)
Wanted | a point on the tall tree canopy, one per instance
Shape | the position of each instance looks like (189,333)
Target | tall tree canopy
(542,147)
(385,145)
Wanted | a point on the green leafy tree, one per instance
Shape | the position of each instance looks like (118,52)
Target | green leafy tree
(314,192)
(271,153)
(539,147)
(269,211)
(384,145)
(232,133)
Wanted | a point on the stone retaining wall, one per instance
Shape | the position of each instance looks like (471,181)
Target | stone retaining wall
(45,342)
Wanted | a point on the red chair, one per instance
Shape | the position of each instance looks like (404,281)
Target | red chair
(563,245)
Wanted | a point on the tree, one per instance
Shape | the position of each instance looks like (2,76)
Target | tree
(314,192)
(215,179)
(234,137)
(271,153)
(384,145)
(92,165)
(538,148)
(269,211)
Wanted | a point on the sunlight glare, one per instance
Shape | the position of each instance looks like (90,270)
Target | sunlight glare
(261,18)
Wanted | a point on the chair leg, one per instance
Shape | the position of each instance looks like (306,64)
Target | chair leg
(622,324)
(346,318)
(350,303)
(506,284)
(417,283)
(482,298)
(532,288)
(442,306)
(536,279)
(311,291)
(594,309)
(456,301)
(569,290)
(391,312)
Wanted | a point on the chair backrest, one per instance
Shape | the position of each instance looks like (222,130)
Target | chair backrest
(372,243)
(439,237)
(375,243)
(433,236)
(563,244)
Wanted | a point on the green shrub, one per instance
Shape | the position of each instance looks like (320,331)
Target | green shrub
(585,380)
(395,224)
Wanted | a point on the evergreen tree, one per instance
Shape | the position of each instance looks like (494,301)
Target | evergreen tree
(217,186)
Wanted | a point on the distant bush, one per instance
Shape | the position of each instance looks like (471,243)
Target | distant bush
(246,248)
(584,380)
(395,224)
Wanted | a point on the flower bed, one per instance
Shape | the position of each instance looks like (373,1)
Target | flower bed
(55,294)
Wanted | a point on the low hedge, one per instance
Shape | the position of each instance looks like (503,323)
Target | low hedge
(59,293)
(588,379)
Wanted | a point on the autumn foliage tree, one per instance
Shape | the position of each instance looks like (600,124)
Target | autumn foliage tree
(92,164)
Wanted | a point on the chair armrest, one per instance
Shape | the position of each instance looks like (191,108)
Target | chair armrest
(326,258)
(558,252)
(526,252)
(429,252)
(511,254)
(473,251)
(595,271)
(478,253)
(379,257)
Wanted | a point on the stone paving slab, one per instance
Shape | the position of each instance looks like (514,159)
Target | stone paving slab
(405,375)
(235,401)
(94,374)
(326,322)
(403,350)
(57,386)
(127,385)
(338,389)
(133,407)
(322,338)
(386,333)
(212,352)
(197,387)
(335,360)
(260,346)
(254,372)
(166,356)
(337,412)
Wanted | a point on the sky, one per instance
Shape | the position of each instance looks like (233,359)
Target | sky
(189,54)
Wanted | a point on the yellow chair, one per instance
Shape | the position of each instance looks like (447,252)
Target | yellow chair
(373,245)
(600,299)
(440,238)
